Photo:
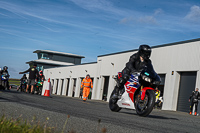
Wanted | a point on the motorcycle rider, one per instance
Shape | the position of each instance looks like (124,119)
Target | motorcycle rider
(4,77)
(136,63)
(23,81)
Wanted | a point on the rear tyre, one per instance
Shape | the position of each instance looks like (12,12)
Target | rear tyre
(113,103)
(144,108)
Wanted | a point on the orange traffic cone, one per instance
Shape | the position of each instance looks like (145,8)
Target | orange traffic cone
(47,90)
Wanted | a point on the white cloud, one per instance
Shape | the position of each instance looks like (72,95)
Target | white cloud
(147,20)
(194,14)
(142,19)
(4,14)
(99,5)
(158,11)
(18,49)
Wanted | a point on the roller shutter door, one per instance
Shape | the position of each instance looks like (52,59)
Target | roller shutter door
(187,85)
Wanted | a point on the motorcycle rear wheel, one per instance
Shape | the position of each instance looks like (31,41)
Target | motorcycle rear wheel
(144,108)
(113,104)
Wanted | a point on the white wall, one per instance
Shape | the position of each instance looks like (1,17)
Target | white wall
(165,59)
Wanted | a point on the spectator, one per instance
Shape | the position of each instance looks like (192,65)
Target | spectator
(157,94)
(33,74)
(41,77)
(194,100)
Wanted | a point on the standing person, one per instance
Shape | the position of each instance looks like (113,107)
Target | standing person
(41,77)
(194,100)
(39,82)
(157,94)
(33,74)
(86,84)
(136,64)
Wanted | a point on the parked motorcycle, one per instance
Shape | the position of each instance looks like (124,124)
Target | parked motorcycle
(138,92)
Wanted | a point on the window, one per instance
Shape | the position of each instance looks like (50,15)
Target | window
(44,56)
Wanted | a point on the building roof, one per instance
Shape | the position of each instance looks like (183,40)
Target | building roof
(58,53)
(50,62)
(163,45)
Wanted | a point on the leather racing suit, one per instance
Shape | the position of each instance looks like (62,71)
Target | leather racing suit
(134,65)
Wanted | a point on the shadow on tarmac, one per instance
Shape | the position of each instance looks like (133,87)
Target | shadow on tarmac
(161,117)
(150,116)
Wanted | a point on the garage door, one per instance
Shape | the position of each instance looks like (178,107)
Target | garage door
(187,85)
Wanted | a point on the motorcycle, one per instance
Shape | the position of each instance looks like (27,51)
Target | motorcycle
(22,87)
(138,92)
(4,80)
(38,89)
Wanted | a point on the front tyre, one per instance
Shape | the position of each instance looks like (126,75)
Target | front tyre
(144,108)
(113,103)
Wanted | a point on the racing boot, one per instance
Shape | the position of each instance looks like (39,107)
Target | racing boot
(116,94)
(118,86)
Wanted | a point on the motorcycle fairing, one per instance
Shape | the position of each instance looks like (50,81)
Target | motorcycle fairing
(4,78)
(132,85)
(127,99)
(143,92)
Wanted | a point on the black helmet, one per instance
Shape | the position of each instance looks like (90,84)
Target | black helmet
(5,67)
(145,51)
(34,64)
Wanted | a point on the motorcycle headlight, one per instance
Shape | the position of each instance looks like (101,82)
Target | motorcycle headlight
(145,78)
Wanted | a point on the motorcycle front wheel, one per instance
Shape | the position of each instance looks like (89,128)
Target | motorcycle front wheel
(40,90)
(113,103)
(144,108)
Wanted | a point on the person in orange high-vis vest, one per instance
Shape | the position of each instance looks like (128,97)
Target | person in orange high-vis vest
(86,84)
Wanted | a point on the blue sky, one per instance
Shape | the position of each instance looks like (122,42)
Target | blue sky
(90,27)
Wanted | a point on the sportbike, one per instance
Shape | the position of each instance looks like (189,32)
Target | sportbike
(138,92)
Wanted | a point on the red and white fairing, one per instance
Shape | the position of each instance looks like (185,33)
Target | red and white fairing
(127,99)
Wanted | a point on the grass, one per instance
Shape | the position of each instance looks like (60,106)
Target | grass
(14,81)
(20,126)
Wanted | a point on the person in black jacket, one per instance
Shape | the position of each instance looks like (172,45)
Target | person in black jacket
(4,78)
(33,74)
(194,100)
(136,63)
